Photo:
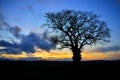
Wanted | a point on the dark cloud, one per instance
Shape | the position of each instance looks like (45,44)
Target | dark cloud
(24,59)
(107,49)
(9,47)
(33,40)
(15,31)
(27,43)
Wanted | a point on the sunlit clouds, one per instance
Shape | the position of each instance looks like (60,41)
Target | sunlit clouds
(40,55)
(60,55)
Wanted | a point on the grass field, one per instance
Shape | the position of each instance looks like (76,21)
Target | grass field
(59,70)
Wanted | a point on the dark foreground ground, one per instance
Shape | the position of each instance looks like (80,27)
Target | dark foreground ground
(55,70)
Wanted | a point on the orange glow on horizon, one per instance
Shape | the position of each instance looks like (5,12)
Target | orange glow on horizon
(61,55)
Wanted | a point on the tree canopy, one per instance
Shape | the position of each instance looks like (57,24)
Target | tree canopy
(74,29)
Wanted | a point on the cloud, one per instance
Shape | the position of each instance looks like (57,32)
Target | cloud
(15,31)
(3,24)
(33,40)
(24,59)
(9,47)
(27,44)
(22,43)
(108,49)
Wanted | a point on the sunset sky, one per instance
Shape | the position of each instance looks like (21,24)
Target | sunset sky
(21,22)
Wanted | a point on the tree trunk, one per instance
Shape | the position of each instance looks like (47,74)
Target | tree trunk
(76,57)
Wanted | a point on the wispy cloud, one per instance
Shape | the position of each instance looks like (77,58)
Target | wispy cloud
(113,48)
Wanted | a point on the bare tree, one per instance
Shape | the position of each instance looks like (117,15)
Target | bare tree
(75,29)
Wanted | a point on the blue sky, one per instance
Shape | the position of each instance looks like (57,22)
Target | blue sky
(30,14)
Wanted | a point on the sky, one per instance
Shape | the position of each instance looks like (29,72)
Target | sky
(21,24)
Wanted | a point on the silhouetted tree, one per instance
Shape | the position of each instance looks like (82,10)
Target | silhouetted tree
(75,29)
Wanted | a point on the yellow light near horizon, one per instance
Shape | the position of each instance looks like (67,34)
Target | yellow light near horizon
(93,56)
(59,55)
(52,55)
(14,56)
